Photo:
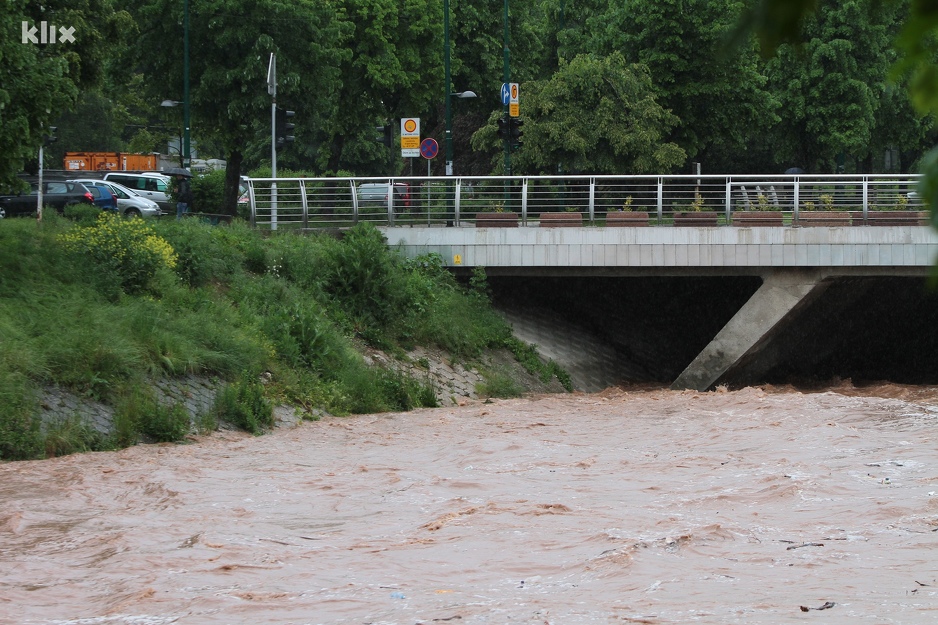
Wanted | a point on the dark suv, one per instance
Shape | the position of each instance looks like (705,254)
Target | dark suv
(55,193)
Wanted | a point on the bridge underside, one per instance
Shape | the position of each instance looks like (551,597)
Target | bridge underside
(704,331)
(699,307)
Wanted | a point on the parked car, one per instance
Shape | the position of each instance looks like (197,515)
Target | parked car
(129,203)
(377,193)
(150,185)
(103,198)
(55,193)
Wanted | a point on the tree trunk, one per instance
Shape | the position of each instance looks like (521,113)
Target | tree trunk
(232,182)
(335,158)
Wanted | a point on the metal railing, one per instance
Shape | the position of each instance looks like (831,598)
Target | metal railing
(654,200)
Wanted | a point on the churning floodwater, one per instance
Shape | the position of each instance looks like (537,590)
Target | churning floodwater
(763,505)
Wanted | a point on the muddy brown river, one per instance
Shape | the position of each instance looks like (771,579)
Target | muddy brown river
(764,505)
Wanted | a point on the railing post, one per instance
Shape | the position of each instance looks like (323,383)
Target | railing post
(305,203)
(729,199)
(524,201)
(354,201)
(660,199)
(253,203)
(456,202)
(866,196)
(391,202)
(592,205)
(796,198)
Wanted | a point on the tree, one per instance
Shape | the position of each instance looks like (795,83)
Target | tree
(832,84)
(477,35)
(777,22)
(717,93)
(624,131)
(40,81)
(230,46)
(391,69)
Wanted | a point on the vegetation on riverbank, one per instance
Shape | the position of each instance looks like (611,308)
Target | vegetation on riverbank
(101,305)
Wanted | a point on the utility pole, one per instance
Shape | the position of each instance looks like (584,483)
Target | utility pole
(46,138)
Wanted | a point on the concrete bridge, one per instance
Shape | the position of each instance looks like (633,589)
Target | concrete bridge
(795,252)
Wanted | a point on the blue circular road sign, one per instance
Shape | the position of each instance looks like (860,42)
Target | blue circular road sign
(505,94)
(429,148)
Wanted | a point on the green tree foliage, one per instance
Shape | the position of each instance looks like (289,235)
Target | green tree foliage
(624,131)
(40,81)
(778,22)
(832,84)
(477,33)
(230,46)
(392,69)
(717,93)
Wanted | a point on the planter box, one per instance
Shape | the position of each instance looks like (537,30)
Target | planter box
(496,220)
(627,219)
(696,218)
(823,218)
(560,220)
(750,219)
(892,218)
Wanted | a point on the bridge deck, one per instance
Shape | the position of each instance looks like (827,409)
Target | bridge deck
(678,250)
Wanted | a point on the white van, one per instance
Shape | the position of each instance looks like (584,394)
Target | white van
(150,185)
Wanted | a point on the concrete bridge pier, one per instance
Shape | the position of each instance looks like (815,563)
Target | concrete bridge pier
(770,308)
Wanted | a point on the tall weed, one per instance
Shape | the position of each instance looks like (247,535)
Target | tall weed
(72,435)
(20,435)
(243,404)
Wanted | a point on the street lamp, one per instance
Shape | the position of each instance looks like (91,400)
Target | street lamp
(449,126)
(184,148)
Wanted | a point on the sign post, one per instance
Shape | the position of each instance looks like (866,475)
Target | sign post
(429,149)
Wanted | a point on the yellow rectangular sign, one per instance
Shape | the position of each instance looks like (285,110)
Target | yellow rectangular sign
(410,142)
(514,109)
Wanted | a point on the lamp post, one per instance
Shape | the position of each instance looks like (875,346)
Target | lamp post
(449,126)
(448,139)
(186,152)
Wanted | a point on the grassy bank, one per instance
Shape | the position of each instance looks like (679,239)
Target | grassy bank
(102,305)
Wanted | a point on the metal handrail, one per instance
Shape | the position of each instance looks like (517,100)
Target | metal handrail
(310,203)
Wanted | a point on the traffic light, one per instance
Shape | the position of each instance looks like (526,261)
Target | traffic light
(385,134)
(503,126)
(514,131)
(285,126)
(50,136)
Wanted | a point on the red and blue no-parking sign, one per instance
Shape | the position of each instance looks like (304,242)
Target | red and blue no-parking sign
(429,148)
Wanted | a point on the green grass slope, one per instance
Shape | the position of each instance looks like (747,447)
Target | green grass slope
(100,305)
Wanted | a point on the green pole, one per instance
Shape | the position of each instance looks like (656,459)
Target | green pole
(186,160)
(507,80)
(448,140)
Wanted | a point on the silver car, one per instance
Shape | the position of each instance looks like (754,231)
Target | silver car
(151,185)
(129,202)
